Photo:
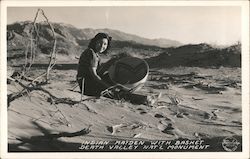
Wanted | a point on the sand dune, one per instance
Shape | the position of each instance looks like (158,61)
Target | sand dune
(52,117)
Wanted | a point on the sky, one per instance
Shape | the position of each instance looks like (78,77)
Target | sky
(187,24)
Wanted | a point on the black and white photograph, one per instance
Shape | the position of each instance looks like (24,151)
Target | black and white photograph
(128,77)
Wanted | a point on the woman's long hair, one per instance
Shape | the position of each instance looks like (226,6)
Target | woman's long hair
(92,43)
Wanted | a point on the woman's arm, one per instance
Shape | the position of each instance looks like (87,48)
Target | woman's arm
(105,66)
(96,77)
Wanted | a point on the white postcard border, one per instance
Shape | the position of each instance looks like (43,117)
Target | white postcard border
(245,81)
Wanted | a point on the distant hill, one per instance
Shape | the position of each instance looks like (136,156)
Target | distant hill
(77,35)
(200,55)
(71,41)
(88,33)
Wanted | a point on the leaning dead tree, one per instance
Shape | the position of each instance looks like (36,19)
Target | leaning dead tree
(31,48)
(30,52)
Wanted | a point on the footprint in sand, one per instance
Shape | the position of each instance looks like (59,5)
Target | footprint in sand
(115,128)
(214,112)
(180,114)
(166,121)
(166,126)
(168,129)
(213,115)
(207,116)
(142,111)
(125,127)
(159,116)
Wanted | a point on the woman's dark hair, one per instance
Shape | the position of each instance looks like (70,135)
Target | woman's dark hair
(99,36)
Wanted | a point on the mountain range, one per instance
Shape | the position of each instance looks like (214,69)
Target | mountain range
(71,41)
(76,34)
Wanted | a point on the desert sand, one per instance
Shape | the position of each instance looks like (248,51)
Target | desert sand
(195,103)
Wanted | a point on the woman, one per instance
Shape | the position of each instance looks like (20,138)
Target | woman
(91,82)
(89,63)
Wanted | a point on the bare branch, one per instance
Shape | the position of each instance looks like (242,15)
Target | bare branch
(53,53)
(29,59)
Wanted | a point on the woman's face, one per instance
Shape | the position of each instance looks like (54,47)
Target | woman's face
(101,45)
